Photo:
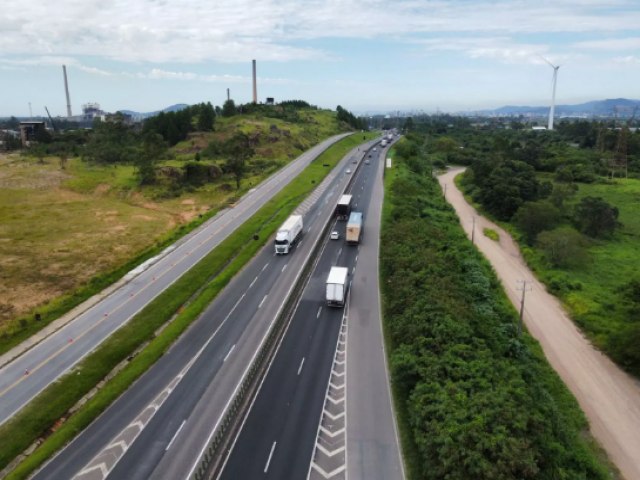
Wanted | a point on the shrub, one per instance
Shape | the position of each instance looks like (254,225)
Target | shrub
(563,247)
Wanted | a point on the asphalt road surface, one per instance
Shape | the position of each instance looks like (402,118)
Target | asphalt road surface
(279,435)
(28,374)
(158,428)
(609,397)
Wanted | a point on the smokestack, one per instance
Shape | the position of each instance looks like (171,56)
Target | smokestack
(228,95)
(255,86)
(66,89)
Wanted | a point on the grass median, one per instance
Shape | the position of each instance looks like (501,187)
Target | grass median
(185,299)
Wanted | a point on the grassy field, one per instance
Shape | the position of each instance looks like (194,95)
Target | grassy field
(66,234)
(592,291)
(206,280)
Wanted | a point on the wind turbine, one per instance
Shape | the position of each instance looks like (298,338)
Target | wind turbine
(553,95)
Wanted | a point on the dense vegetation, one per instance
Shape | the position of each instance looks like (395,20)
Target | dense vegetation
(476,400)
(565,198)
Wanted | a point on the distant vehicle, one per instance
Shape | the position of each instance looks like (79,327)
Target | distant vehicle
(367,162)
(335,235)
(355,160)
(383,143)
(374,149)
(337,286)
(288,234)
(348,170)
(369,155)
(343,208)
(390,136)
(354,228)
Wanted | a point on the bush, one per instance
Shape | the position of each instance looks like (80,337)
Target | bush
(534,217)
(595,217)
(563,247)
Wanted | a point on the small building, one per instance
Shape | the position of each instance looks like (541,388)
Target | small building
(31,131)
(270,101)
(538,127)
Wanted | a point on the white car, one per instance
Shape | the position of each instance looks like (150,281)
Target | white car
(348,170)
(335,235)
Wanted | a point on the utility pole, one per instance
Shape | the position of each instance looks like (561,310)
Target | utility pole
(473,230)
(445,191)
(524,289)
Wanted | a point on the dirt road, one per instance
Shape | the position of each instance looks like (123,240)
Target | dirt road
(609,397)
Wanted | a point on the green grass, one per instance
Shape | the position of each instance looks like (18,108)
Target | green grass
(37,418)
(596,304)
(491,234)
(53,220)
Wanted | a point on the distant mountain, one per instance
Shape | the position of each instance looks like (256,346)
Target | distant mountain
(621,107)
(141,116)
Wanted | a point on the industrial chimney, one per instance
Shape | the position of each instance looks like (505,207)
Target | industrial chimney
(255,86)
(66,89)
(228,95)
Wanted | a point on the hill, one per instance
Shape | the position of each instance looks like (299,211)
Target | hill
(620,107)
(141,116)
(76,225)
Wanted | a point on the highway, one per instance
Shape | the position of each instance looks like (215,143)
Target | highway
(158,428)
(29,373)
(297,427)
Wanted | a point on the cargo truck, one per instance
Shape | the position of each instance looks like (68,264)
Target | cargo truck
(288,234)
(337,286)
(343,208)
(354,228)
(383,143)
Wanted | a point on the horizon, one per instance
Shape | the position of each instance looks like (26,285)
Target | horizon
(365,55)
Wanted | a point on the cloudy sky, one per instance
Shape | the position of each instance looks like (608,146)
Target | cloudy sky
(366,55)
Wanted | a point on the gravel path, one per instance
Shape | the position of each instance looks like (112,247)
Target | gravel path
(609,397)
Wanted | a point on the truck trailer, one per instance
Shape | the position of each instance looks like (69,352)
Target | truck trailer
(337,286)
(288,234)
(343,208)
(354,228)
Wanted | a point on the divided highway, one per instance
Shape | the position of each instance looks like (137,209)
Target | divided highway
(158,428)
(25,376)
(281,437)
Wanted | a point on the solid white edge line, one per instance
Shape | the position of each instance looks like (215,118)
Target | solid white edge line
(175,435)
(266,467)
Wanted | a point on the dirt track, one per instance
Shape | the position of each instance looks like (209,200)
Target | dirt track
(609,397)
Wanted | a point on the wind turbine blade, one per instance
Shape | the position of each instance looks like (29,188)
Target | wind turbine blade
(552,65)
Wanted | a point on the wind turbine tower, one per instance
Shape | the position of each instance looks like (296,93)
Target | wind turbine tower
(553,94)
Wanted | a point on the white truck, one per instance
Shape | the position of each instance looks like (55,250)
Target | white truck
(383,143)
(288,234)
(337,286)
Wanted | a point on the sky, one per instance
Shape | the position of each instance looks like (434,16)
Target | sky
(365,55)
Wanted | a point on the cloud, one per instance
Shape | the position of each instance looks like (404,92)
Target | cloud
(631,43)
(161,74)
(627,60)
(281,30)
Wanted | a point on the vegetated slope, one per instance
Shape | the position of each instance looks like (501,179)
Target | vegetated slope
(69,230)
(475,399)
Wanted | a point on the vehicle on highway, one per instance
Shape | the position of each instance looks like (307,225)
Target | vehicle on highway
(343,208)
(335,235)
(367,162)
(383,143)
(337,285)
(354,228)
(288,234)
(348,170)
(375,149)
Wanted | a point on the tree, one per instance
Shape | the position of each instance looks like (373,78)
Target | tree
(563,247)
(408,125)
(238,150)
(534,217)
(153,147)
(595,217)
(111,142)
(206,117)
(229,108)
(562,192)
